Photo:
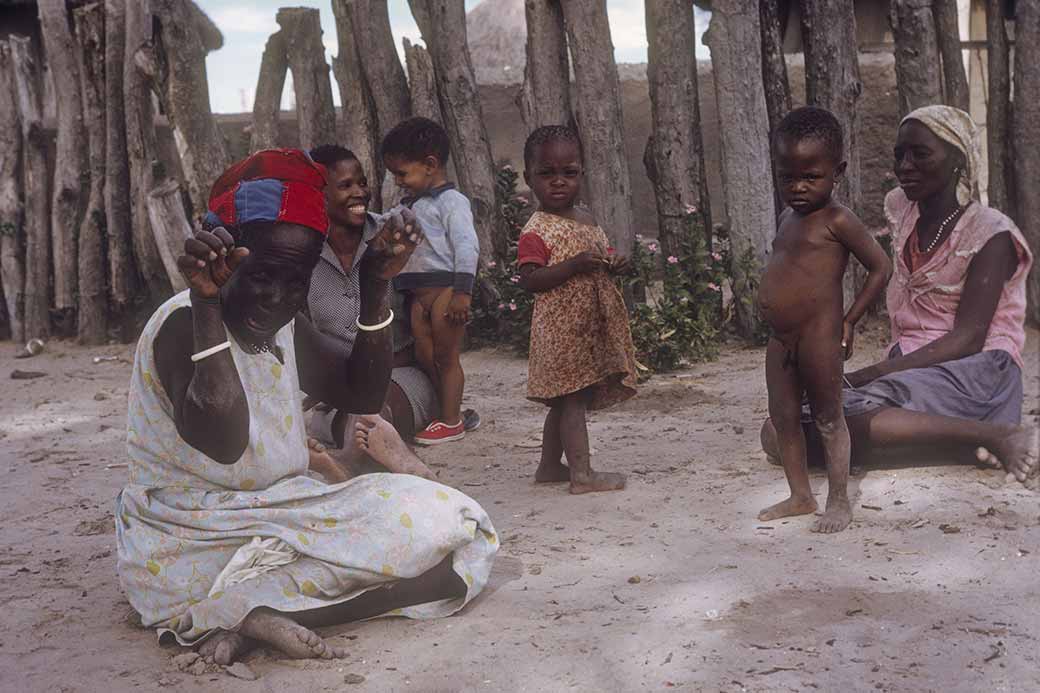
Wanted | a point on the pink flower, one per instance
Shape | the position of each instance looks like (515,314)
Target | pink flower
(717,257)
(714,287)
(690,209)
(652,247)
(512,306)
(515,279)
(492,265)
(672,260)
(501,306)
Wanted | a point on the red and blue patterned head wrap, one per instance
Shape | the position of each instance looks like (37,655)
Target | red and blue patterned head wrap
(279,185)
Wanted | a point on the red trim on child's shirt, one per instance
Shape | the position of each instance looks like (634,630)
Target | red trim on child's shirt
(531,250)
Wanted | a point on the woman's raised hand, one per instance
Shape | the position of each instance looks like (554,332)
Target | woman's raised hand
(209,260)
(389,251)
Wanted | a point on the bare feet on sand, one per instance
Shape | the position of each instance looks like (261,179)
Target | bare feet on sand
(787,508)
(288,636)
(377,437)
(835,518)
(323,463)
(1018,453)
(597,481)
(225,647)
(552,473)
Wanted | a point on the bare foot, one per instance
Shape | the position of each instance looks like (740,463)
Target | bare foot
(552,473)
(288,636)
(225,647)
(835,518)
(789,507)
(1017,453)
(597,481)
(323,463)
(378,437)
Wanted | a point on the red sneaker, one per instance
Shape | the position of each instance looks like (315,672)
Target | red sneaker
(440,432)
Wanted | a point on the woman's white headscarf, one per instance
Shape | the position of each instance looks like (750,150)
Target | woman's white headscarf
(956,127)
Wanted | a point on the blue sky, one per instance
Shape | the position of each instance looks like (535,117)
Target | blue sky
(246,24)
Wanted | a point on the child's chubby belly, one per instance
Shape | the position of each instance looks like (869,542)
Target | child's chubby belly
(791,295)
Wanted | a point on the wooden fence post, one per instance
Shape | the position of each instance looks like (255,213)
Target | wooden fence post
(370,20)
(917,54)
(832,81)
(998,109)
(145,167)
(123,280)
(545,97)
(1026,137)
(92,315)
(183,89)
(267,102)
(675,143)
(774,69)
(359,127)
(166,213)
(28,81)
(607,178)
(315,113)
(947,29)
(734,37)
(422,85)
(12,260)
(443,26)
(71,181)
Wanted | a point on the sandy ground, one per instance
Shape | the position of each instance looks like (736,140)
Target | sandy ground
(670,584)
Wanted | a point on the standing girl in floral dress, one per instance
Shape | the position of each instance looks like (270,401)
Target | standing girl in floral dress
(582,356)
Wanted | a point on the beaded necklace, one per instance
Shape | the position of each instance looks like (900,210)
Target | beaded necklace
(942,229)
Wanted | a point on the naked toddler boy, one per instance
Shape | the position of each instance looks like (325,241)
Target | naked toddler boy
(800,297)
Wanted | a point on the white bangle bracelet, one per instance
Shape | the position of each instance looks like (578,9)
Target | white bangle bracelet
(375,328)
(209,352)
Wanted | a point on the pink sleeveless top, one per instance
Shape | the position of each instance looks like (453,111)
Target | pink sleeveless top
(922,303)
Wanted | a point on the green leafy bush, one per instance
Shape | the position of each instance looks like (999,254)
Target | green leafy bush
(680,320)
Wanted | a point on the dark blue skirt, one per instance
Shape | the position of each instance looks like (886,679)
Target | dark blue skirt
(982,387)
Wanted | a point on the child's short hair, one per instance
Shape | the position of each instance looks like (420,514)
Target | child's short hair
(328,155)
(810,122)
(546,134)
(415,139)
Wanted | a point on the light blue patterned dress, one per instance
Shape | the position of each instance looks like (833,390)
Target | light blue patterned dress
(183,515)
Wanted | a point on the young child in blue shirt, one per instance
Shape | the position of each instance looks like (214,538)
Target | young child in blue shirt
(439,276)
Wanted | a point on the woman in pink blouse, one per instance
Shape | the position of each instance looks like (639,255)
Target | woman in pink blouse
(957,302)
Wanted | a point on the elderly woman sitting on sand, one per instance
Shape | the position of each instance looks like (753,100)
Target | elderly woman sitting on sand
(221,534)
(957,302)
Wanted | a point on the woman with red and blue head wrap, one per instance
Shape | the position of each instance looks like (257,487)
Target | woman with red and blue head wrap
(220,531)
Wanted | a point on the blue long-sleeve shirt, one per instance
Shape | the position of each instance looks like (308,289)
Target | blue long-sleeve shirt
(448,255)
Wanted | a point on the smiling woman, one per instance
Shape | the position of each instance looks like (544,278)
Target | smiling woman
(222,536)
